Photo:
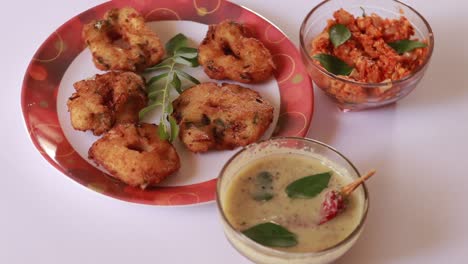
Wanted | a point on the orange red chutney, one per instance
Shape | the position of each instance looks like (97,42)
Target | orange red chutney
(367,50)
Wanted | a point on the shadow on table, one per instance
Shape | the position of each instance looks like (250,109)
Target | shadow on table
(407,215)
(400,225)
(324,119)
(327,118)
(400,221)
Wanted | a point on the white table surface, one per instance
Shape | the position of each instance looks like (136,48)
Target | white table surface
(419,205)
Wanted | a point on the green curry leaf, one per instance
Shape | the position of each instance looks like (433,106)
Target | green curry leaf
(179,55)
(175,43)
(175,82)
(192,62)
(271,235)
(174,128)
(263,186)
(162,131)
(406,45)
(264,196)
(146,110)
(339,34)
(155,94)
(156,78)
(187,76)
(309,186)
(187,52)
(333,64)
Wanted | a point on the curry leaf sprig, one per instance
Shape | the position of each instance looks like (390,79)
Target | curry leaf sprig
(169,77)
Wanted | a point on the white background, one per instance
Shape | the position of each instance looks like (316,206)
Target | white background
(419,205)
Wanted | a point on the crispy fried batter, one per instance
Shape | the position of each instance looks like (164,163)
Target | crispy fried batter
(99,103)
(135,155)
(228,52)
(221,117)
(122,41)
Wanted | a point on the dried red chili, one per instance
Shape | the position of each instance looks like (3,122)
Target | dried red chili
(335,201)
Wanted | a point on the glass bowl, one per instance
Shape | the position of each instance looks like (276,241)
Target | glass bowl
(352,95)
(310,148)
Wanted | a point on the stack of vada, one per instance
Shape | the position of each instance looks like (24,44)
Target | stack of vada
(210,116)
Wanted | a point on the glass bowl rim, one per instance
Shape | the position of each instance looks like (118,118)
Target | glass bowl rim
(280,253)
(303,47)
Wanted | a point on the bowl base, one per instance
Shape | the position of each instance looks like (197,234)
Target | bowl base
(359,108)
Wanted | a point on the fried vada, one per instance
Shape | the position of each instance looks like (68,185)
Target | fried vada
(135,155)
(229,52)
(107,99)
(221,117)
(122,41)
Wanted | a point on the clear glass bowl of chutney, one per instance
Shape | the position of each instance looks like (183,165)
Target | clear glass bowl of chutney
(288,157)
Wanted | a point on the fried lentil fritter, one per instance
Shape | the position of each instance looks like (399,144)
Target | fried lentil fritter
(221,117)
(135,155)
(229,52)
(99,103)
(122,41)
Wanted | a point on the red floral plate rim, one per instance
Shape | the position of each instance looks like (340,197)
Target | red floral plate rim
(46,69)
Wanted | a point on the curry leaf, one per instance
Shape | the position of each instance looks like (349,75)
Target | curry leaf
(154,94)
(162,131)
(175,43)
(406,45)
(160,100)
(339,34)
(194,61)
(309,186)
(272,235)
(265,196)
(156,78)
(263,186)
(188,76)
(145,110)
(264,178)
(169,109)
(162,65)
(176,84)
(159,92)
(187,52)
(333,64)
(187,61)
(174,128)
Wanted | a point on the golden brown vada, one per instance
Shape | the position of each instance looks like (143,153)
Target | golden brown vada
(99,103)
(221,117)
(135,155)
(122,41)
(228,52)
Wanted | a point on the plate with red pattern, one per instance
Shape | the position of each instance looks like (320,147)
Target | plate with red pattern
(63,59)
